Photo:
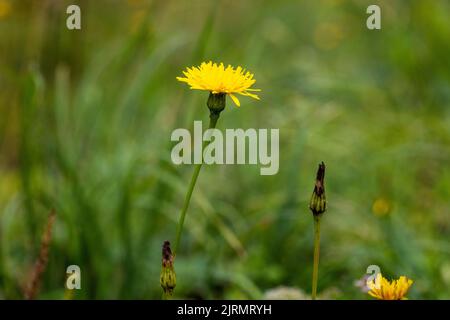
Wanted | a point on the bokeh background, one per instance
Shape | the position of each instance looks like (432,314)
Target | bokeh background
(85,124)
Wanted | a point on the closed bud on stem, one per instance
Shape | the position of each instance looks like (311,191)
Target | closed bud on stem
(318,203)
(168,278)
(216,104)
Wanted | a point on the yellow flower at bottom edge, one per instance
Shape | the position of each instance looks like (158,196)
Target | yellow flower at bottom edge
(215,78)
(384,289)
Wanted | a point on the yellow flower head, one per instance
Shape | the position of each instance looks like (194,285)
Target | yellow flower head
(384,289)
(215,78)
(5,8)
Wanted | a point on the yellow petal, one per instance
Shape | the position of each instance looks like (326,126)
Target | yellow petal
(235,100)
(248,94)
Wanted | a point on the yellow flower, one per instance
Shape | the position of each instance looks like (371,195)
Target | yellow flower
(384,289)
(5,8)
(381,207)
(215,78)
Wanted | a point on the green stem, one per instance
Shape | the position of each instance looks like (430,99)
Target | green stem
(316,255)
(212,124)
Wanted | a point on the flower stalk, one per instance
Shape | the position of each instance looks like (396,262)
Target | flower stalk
(216,104)
(317,205)
(220,82)
(316,256)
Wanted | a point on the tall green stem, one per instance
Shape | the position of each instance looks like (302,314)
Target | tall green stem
(316,255)
(212,124)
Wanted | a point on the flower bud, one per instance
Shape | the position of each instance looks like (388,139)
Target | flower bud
(318,203)
(216,103)
(168,278)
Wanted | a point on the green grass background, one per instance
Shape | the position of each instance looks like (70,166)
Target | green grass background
(85,124)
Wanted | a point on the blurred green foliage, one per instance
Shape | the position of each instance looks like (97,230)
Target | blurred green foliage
(85,124)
